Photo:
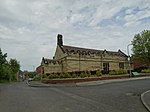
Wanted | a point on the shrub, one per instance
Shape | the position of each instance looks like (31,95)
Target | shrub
(140,69)
(37,78)
(83,75)
(98,73)
(93,72)
(118,72)
(53,76)
(112,72)
(44,76)
(74,76)
(105,71)
(123,72)
(61,75)
(88,73)
(146,71)
(65,75)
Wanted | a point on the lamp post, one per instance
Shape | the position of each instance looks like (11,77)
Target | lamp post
(129,60)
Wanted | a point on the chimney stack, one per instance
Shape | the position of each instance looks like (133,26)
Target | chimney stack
(59,40)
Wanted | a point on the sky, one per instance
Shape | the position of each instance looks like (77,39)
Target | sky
(28,28)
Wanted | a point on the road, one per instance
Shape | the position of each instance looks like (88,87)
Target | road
(111,97)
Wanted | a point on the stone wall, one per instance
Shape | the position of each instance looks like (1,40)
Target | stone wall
(87,63)
(51,66)
(76,61)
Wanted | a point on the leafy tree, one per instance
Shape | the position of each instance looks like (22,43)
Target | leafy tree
(8,70)
(2,62)
(141,46)
(14,68)
(14,65)
(2,57)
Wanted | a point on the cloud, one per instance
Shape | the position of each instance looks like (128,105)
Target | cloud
(28,28)
(135,16)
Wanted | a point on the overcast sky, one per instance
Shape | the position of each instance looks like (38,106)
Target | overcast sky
(28,28)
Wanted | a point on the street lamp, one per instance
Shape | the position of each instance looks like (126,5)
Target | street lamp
(129,60)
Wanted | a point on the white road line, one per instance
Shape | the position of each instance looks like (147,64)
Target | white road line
(143,101)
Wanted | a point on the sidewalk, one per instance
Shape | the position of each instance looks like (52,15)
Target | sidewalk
(90,83)
(40,84)
(145,98)
(36,84)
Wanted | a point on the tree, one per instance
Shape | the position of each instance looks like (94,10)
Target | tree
(3,61)
(8,70)
(141,46)
(14,68)
(14,65)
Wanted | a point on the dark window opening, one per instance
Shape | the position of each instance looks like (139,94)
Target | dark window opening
(42,70)
(121,65)
(106,66)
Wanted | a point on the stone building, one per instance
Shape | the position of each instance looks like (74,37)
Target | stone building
(76,59)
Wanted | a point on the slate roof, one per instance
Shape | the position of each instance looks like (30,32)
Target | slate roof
(90,51)
(46,61)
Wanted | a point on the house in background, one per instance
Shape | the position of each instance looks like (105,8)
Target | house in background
(75,59)
(20,76)
(38,70)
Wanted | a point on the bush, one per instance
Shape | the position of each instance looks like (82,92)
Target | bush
(74,76)
(98,73)
(53,76)
(112,72)
(83,75)
(88,73)
(105,71)
(44,76)
(140,69)
(146,71)
(61,76)
(118,72)
(4,81)
(65,75)
(37,78)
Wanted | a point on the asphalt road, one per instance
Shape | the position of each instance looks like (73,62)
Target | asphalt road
(112,97)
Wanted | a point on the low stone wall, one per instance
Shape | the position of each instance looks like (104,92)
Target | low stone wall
(71,80)
(143,75)
(115,77)
(76,80)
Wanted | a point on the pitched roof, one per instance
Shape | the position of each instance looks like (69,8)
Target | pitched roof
(90,51)
(46,61)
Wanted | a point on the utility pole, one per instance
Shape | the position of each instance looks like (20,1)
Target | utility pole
(129,60)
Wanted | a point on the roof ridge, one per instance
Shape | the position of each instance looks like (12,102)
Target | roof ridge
(90,49)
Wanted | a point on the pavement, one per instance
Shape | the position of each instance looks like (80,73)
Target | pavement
(99,82)
(40,84)
(145,97)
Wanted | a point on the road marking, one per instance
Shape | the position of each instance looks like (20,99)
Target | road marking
(143,101)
